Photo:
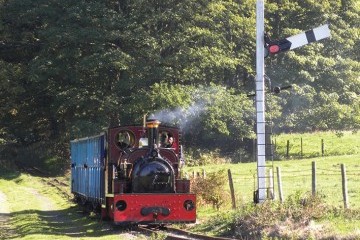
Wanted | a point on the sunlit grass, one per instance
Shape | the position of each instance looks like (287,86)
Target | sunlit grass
(296,177)
(38,211)
(335,143)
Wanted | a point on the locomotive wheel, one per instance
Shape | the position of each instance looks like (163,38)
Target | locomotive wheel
(83,201)
(96,207)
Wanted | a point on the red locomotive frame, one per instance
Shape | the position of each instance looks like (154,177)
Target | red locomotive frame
(141,180)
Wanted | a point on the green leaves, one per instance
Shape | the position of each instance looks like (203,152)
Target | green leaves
(75,67)
(328,67)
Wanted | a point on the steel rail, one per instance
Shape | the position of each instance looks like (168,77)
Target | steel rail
(177,234)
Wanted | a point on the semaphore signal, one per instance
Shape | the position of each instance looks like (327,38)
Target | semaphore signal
(272,47)
(301,39)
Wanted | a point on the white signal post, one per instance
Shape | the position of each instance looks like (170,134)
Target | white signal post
(289,43)
(275,47)
(260,102)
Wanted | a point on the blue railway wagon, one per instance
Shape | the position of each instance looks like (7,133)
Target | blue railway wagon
(87,168)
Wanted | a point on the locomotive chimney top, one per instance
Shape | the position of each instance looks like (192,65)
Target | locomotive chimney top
(153,134)
(152,123)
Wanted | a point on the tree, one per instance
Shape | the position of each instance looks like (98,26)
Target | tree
(210,116)
(72,68)
(323,68)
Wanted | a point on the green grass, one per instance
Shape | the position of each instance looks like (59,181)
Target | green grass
(296,177)
(301,216)
(335,143)
(38,211)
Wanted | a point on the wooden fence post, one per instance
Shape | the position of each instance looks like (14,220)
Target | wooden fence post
(287,148)
(279,184)
(313,182)
(322,147)
(344,186)
(271,194)
(232,192)
(203,173)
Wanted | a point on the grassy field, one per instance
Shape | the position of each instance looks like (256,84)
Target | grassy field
(343,147)
(296,179)
(317,144)
(38,211)
(296,175)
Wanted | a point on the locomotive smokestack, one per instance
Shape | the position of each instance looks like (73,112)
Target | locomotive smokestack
(153,133)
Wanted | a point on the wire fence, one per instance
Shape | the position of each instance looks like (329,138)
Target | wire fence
(329,183)
(299,147)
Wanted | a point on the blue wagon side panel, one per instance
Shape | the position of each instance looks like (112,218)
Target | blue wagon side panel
(87,168)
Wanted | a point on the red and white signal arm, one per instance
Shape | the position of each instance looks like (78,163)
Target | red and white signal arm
(301,39)
(310,36)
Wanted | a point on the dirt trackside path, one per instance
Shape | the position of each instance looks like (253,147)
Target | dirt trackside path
(30,209)
(5,228)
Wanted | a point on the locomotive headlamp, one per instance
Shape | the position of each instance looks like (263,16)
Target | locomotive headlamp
(121,205)
(189,205)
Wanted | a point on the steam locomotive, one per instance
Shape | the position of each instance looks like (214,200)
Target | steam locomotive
(132,176)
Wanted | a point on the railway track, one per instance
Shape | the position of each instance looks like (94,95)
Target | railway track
(170,233)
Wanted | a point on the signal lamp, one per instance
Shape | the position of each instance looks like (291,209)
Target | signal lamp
(273,49)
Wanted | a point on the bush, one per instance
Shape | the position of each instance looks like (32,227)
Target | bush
(294,219)
(210,190)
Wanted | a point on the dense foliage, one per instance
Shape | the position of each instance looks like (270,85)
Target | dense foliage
(70,68)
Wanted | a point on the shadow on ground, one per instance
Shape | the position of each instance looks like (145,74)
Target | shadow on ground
(68,222)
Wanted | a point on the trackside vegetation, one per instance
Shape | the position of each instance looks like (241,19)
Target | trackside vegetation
(301,215)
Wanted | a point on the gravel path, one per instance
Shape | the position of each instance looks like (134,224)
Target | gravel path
(4,208)
(54,220)
(5,229)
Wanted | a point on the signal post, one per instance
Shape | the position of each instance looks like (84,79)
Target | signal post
(260,103)
(264,47)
